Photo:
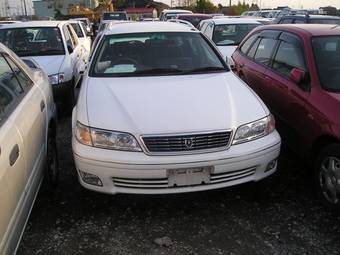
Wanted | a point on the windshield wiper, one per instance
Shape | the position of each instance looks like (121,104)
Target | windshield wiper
(158,71)
(205,69)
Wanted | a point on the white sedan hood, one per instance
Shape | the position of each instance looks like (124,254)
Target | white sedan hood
(49,64)
(171,104)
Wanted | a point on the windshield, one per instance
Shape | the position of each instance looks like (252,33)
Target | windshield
(115,16)
(231,34)
(33,41)
(158,53)
(327,59)
(325,21)
(77,29)
(195,20)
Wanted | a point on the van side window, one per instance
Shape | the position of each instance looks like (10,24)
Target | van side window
(8,78)
(24,81)
(289,56)
(245,47)
(264,50)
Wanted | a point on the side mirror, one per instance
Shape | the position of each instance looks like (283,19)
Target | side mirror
(70,49)
(297,75)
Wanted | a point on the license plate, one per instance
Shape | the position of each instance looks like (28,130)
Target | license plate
(188,176)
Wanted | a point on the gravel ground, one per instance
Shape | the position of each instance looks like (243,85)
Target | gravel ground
(277,216)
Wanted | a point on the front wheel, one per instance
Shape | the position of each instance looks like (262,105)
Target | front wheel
(327,176)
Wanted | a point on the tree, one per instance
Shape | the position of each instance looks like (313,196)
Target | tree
(205,6)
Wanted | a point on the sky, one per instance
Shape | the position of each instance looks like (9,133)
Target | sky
(310,4)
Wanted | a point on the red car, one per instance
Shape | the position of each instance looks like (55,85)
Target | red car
(295,69)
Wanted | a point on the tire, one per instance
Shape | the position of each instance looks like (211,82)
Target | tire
(52,164)
(327,176)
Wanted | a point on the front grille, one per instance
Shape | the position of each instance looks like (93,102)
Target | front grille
(187,143)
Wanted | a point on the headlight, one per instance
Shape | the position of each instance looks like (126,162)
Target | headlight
(254,130)
(106,139)
(56,78)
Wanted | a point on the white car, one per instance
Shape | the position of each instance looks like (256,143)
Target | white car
(27,144)
(83,37)
(227,33)
(159,111)
(172,14)
(54,47)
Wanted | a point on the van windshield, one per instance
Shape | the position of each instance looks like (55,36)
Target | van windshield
(34,41)
(327,59)
(155,53)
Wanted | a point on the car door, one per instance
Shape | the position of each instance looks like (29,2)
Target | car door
(253,69)
(79,64)
(31,123)
(71,60)
(13,161)
(285,98)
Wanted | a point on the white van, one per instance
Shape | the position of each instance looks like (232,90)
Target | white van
(54,47)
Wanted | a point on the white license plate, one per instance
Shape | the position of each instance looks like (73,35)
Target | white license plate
(188,176)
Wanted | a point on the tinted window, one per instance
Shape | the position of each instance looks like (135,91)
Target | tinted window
(77,29)
(286,21)
(24,81)
(8,78)
(231,34)
(288,56)
(246,45)
(327,59)
(158,53)
(253,48)
(33,41)
(325,21)
(264,51)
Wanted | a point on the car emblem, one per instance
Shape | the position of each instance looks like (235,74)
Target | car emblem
(189,142)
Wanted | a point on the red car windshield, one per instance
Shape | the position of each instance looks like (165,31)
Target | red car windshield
(327,59)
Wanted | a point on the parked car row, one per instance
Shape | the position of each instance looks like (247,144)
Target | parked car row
(159,108)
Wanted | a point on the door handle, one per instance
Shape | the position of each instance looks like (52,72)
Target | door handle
(14,155)
(42,105)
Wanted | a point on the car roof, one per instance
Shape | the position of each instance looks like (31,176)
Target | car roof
(311,16)
(140,27)
(306,29)
(40,23)
(176,10)
(226,20)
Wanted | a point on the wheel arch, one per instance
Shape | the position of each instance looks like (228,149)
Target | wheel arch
(321,143)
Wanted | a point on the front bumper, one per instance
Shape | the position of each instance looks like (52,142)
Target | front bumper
(135,172)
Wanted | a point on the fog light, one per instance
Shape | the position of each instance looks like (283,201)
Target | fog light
(271,165)
(90,178)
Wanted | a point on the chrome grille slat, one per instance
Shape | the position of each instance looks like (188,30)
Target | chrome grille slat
(179,143)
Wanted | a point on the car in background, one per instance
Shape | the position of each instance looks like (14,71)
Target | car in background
(27,144)
(88,25)
(110,16)
(172,14)
(194,18)
(227,33)
(174,143)
(55,47)
(310,19)
(296,71)
(183,22)
(83,36)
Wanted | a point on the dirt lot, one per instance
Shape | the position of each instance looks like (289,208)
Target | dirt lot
(277,216)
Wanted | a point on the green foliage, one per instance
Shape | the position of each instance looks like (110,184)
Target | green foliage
(205,6)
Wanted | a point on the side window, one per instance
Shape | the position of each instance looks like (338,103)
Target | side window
(73,36)
(67,38)
(286,21)
(289,56)
(203,27)
(253,48)
(264,50)
(246,45)
(24,81)
(8,78)
(299,21)
(209,30)
(7,99)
